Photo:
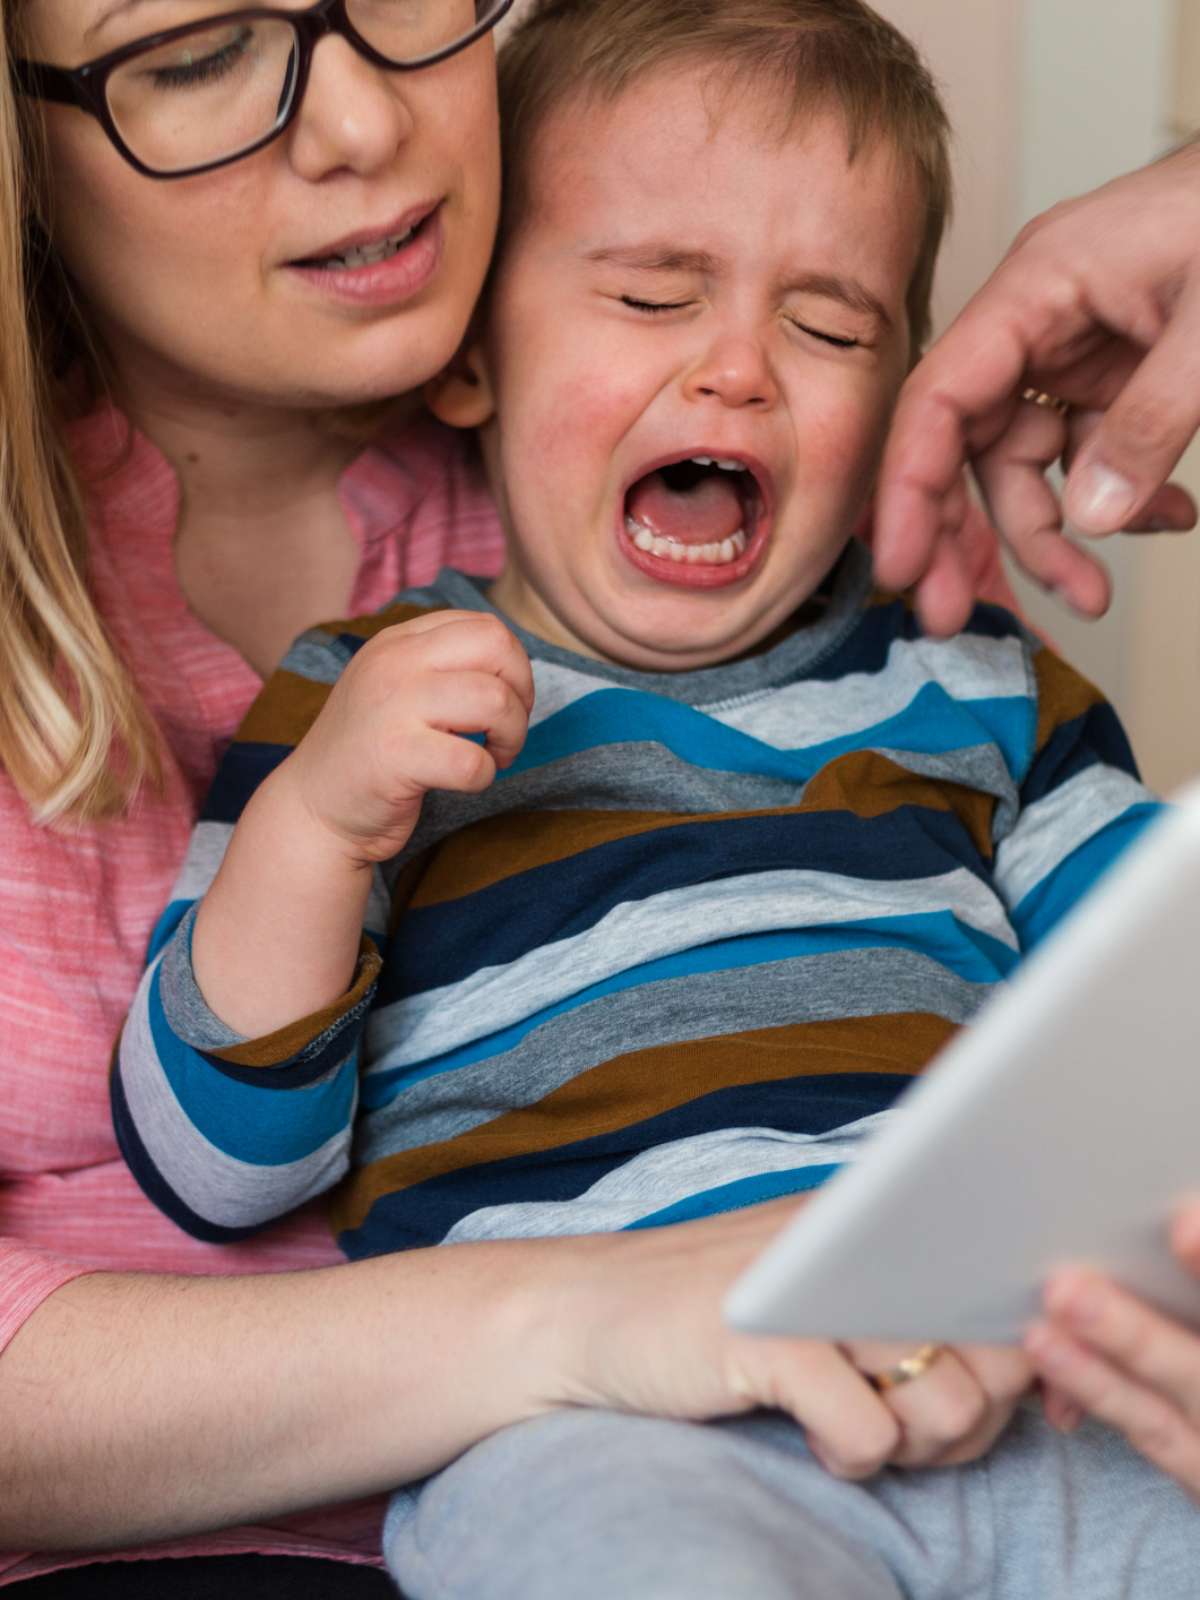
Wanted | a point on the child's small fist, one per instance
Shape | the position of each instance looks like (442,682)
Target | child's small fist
(394,724)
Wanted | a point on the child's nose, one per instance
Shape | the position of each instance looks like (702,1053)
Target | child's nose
(735,371)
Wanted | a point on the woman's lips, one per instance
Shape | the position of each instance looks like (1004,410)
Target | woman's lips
(397,278)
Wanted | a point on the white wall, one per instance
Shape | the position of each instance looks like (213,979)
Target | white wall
(1094,98)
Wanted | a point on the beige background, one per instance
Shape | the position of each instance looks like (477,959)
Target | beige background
(1050,98)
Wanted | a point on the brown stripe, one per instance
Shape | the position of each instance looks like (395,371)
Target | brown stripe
(645,1083)
(276,1049)
(871,785)
(1063,694)
(284,711)
(863,783)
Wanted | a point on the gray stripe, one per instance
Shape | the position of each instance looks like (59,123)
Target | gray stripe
(830,987)
(216,1186)
(618,777)
(317,657)
(976,766)
(205,853)
(185,1008)
(812,712)
(1054,827)
(666,1175)
(634,932)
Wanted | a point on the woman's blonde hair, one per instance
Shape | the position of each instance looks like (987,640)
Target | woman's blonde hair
(75,737)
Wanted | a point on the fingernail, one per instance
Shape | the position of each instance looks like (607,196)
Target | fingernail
(1049,1351)
(1101,499)
(1077,1303)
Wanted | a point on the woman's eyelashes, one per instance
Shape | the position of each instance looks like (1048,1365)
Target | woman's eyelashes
(653,308)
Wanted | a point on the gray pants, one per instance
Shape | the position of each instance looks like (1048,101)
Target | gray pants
(591,1505)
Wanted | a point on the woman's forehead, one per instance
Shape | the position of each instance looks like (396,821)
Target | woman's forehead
(68,31)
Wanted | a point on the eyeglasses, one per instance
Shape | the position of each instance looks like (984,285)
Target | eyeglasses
(211,91)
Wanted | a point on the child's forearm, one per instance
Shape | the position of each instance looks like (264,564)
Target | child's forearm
(277,935)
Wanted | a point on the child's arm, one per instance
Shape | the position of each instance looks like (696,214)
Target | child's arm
(1081,802)
(277,936)
(226,1131)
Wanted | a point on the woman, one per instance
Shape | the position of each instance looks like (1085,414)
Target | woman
(235,243)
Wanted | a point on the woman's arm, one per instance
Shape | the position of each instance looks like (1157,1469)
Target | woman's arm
(135,1408)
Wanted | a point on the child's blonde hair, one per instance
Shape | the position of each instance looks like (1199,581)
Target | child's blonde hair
(820,54)
(75,737)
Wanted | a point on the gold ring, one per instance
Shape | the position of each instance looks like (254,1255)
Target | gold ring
(1053,402)
(905,1371)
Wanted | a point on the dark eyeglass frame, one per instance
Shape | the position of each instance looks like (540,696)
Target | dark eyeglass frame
(86,86)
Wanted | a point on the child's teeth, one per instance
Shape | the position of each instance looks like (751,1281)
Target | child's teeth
(716,554)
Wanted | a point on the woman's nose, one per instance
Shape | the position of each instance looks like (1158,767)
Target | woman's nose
(734,370)
(354,115)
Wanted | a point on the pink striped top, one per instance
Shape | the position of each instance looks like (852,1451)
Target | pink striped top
(76,908)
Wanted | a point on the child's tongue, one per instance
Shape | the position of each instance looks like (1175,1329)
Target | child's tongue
(707,512)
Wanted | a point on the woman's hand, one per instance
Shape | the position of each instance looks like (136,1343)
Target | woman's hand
(641,1330)
(1098,303)
(1126,1364)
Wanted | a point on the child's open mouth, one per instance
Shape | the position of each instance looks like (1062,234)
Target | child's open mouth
(697,520)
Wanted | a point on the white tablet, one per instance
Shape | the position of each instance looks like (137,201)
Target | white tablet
(1063,1125)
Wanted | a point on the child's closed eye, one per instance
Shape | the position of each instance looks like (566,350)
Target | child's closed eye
(653,306)
(839,341)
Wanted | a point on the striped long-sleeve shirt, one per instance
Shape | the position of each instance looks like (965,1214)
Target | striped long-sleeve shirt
(678,958)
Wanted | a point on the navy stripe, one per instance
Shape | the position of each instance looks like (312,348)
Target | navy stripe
(425,1212)
(1096,736)
(152,1183)
(243,769)
(443,944)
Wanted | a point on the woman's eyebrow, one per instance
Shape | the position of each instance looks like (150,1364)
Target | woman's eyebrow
(655,258)
(107,15)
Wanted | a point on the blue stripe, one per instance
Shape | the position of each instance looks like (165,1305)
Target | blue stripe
(151,1181)
(1050,900)
(442,944)
(250,1124)
(738,1195)
(931,724)
(938,935)
(425,1212)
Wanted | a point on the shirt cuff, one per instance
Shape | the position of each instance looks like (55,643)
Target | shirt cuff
(27,1277)
(317,1038)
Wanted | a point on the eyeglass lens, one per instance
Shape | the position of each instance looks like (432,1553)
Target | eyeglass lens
(226,85)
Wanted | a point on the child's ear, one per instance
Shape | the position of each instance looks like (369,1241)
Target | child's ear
(461,395)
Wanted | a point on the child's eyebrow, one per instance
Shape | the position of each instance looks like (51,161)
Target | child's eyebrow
(847,291)
(668,258)
(654,258)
